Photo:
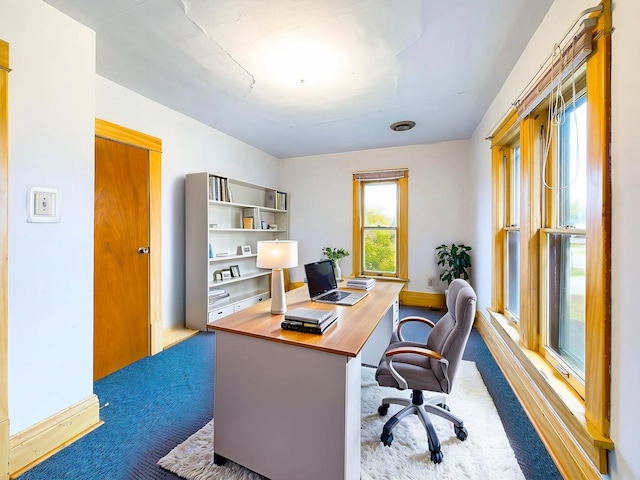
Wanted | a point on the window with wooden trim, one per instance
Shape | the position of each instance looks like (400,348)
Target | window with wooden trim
(380,223)
(562,123)
(511,159)
(563,240)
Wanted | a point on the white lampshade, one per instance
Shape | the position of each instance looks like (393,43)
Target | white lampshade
(277,254)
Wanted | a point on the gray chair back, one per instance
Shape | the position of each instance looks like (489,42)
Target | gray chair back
(450,334)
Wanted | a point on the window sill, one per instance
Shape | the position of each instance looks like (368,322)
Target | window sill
(567,395)
(555,409)
(384,278)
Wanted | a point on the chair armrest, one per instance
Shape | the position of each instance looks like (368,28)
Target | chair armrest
(410,319)
(425,352)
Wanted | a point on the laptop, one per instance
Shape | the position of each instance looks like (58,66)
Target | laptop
(323,287)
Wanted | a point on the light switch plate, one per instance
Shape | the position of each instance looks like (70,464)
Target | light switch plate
(43,205)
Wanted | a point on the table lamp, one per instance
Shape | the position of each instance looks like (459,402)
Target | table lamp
(276,255)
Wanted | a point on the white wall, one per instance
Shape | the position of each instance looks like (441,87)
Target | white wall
(625,104)
(187,146)
(54,98)
(51,124)
(321,202)
(625,264)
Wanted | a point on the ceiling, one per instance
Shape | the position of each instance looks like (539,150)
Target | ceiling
(305,77)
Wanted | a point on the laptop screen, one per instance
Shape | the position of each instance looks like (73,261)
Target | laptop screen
(320,277)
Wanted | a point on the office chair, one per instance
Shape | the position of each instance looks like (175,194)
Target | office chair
(431,367)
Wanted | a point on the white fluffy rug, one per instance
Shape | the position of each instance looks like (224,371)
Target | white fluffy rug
(485,454)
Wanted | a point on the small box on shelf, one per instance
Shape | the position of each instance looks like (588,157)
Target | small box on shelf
(270,198)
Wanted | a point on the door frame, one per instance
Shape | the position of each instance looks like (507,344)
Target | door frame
(4,274)
(117,133)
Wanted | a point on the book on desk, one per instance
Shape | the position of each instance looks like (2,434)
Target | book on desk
(308,320)
(361,283)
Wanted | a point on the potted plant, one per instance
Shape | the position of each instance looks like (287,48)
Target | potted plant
(335,254)
(454,260)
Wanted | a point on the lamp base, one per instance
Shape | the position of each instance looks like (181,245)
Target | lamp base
(278,300)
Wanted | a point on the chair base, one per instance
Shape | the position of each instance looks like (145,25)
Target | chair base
(416,405)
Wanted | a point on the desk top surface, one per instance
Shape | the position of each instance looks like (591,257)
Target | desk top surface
(346,336)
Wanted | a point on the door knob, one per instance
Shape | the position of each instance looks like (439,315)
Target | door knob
(143,250)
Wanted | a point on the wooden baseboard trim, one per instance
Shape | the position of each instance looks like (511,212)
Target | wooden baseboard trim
(4,449)
(423,299)
(575,457)
(39,442)
(172,336)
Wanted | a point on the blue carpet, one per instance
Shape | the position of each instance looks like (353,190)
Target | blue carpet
(153,405)
(159,401)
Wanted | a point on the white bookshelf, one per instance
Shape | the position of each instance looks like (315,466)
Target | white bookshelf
(216,226)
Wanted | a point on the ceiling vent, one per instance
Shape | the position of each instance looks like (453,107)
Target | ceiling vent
(402,126)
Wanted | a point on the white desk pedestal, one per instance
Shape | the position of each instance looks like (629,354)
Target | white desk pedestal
(286,412)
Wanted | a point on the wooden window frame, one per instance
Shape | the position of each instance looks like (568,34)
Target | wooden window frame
(552,197)
(575,430)
(359,178)
(509,224)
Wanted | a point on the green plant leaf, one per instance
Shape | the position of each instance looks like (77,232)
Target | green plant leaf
(455,261)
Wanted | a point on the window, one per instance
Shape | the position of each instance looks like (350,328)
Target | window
(380,223)
(512,233)
(380,227)
(513,274)
(564,242)
(556,253)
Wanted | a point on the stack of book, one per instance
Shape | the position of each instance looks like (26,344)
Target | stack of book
(361,283)
(308,320)
(219,189)
(216,297)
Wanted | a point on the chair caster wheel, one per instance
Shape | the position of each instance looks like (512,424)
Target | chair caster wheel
(383,409)
(386,439)
(444,406)
(436,457)
(461,433)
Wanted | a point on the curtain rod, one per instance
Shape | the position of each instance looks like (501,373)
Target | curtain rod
(600,9)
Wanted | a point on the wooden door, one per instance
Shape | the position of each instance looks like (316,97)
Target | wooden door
(121,269)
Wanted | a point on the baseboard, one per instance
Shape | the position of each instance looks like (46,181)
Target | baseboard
(174,335)
(575,456)
(4,449)
(156,337)
(40,441)
(423,299)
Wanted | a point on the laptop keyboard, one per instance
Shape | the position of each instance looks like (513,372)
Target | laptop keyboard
(334,296)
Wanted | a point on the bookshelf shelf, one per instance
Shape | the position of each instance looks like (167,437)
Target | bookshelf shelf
(242,278)
(230,257)
(216,209)
(246,205)
(246,230)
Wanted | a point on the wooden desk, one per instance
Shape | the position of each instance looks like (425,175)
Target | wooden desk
(287,404)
